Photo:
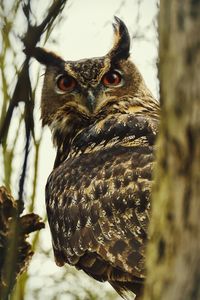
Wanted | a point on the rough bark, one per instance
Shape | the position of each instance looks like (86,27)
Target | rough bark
(15,251)
(174,251)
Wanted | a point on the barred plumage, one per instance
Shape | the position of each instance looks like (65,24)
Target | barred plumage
(104,123)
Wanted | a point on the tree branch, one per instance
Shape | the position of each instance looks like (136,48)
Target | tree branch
(15,250)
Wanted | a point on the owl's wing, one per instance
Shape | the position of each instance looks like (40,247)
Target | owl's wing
(98,209)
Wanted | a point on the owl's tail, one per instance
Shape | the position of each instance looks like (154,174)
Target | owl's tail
(128,290)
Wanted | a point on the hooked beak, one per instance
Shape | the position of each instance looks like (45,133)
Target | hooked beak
(90,101)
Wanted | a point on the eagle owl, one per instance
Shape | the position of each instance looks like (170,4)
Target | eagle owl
(104,122)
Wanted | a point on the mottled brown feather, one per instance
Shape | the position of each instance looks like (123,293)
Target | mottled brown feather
(103,197)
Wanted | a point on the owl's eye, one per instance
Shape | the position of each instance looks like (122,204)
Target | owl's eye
(112,78)
(66,83)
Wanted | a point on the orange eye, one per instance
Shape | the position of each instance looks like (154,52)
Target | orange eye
(66,83)
(112,78)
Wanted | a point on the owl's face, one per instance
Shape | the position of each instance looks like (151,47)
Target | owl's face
(87,85)
(83,89)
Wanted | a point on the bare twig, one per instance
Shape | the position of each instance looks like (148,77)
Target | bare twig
(30,39)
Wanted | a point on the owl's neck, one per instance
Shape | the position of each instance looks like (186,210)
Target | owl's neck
(63,132)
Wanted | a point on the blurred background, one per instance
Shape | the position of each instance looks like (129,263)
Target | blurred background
(83,29)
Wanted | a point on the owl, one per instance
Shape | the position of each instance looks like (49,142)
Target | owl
(104,122)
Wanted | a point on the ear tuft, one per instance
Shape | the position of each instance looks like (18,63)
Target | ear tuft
(44,56)
(121,45)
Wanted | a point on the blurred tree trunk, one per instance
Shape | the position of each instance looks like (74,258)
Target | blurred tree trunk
(174,251)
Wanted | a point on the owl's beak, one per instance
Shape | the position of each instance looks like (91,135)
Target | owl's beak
(90,101)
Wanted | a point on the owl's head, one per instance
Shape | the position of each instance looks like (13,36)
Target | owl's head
(83,89)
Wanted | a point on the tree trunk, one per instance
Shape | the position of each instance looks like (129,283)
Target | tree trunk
(173,260)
